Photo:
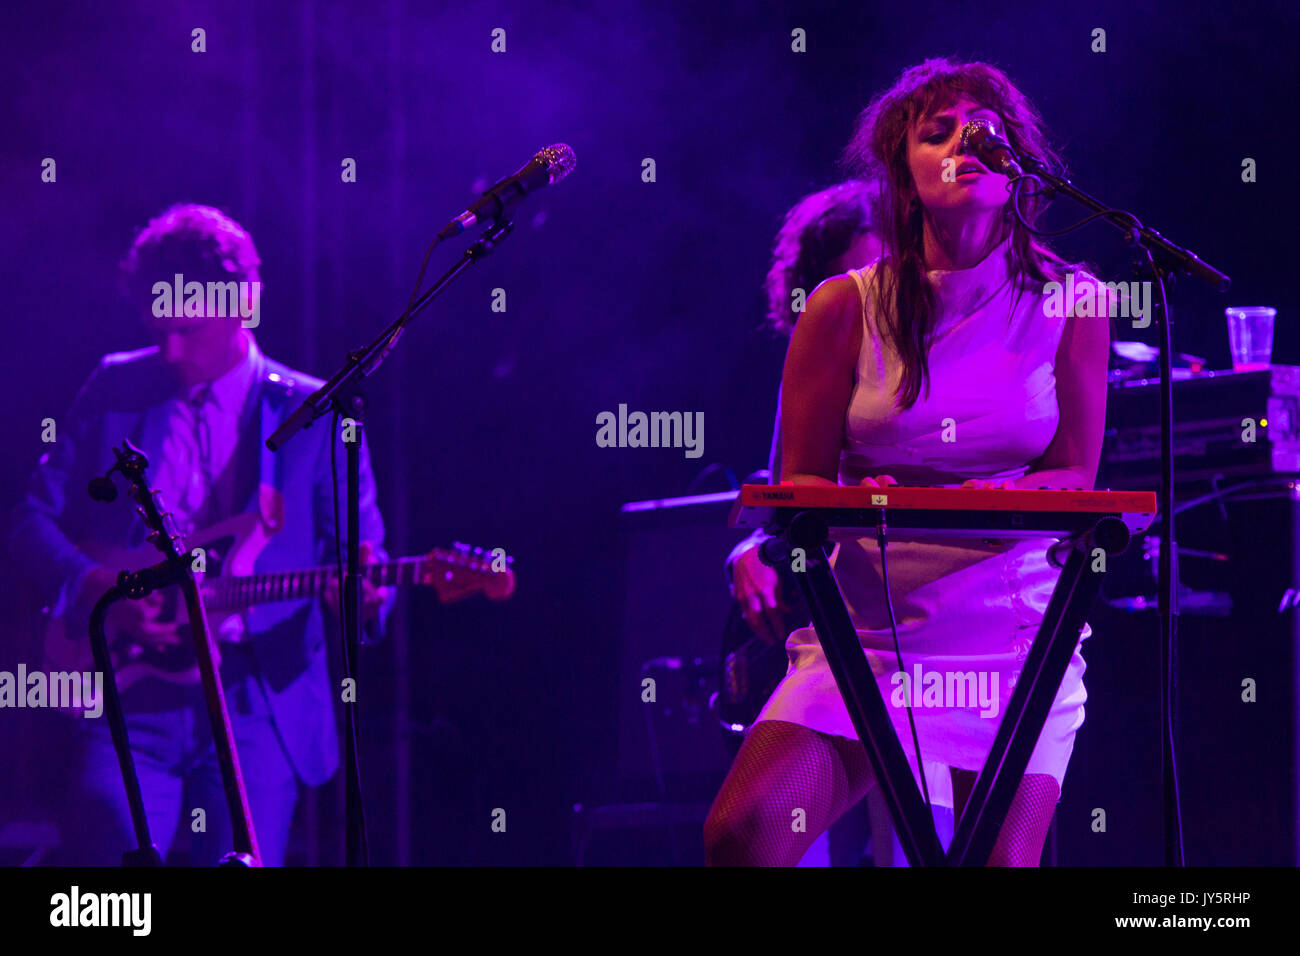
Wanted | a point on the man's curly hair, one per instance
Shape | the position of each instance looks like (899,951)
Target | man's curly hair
(819,229)
(200,242)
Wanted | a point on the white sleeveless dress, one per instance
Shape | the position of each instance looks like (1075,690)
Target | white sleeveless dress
(991,410)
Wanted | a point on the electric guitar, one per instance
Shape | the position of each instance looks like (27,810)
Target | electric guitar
(228,585)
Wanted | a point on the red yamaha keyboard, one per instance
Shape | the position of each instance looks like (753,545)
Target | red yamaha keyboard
(973,512)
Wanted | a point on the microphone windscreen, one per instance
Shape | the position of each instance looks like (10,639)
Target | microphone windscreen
(975,134)
(559,160)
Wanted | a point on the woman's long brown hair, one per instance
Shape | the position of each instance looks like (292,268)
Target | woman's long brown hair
(905,298)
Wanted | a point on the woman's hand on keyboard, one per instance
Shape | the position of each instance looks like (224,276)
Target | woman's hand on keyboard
(985,483)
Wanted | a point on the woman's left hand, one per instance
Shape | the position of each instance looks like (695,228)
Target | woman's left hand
(985,483)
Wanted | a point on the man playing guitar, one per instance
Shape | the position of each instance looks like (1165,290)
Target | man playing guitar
(200,404)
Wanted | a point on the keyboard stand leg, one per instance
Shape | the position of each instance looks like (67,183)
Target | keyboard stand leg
(1026,712)
(1031,701)
(848,663)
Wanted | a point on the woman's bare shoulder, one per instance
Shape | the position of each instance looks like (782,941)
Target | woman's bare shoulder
(832,311)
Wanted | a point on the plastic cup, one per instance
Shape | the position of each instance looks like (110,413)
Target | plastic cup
(1250,336)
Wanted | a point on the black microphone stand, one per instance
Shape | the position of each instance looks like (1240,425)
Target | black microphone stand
(1164,260)
(174,569)
(342,394)
(134,585)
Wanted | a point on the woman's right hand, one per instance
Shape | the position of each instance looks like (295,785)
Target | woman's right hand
(758,589)
(880,481)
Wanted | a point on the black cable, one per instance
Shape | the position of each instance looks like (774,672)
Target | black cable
(881,529)
(348,670)
(1169,687)
(1017,185)
(1229,494)
(406,316)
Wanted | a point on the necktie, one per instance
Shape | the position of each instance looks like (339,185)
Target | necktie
(199,481)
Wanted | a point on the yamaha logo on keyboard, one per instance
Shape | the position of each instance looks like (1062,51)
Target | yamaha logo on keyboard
(776,495)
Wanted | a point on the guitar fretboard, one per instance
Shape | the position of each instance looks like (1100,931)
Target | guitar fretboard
(290,585)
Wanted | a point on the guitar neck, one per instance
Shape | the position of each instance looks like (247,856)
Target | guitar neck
(242,592)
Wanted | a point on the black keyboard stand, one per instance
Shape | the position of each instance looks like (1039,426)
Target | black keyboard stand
(1025,714)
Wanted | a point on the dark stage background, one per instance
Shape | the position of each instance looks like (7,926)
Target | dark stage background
(618,290)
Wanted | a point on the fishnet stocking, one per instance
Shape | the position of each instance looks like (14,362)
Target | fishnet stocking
(1020,841)
(781,769)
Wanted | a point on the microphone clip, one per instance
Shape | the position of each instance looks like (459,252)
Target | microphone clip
(131,462)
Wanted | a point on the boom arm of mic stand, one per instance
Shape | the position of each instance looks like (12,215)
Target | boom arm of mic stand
(363,362)
(1173,257)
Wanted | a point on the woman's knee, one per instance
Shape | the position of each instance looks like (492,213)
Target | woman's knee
(779,788)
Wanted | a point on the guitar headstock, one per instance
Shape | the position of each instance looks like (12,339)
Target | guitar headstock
(165,536)
(134,465)
(460,571)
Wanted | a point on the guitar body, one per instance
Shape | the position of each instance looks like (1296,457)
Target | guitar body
(230,548)
(230,585)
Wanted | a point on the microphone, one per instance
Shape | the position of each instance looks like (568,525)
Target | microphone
(981,140)
(549,166)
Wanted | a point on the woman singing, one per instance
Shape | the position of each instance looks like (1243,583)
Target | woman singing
(938,366)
